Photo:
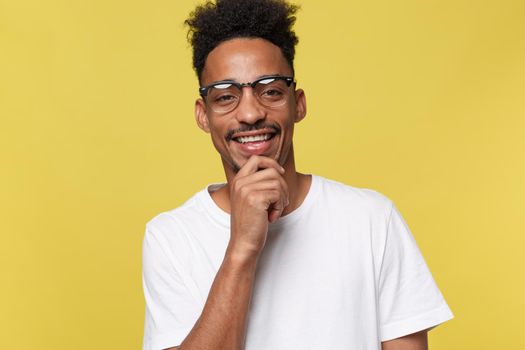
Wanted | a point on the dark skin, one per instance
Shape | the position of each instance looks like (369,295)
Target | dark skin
(262,185)
(241,59)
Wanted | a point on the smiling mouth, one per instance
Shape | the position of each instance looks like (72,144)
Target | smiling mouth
(258,132)
(253,138)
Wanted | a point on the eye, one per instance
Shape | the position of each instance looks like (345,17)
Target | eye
(271,92)
(224,94)
(224,98)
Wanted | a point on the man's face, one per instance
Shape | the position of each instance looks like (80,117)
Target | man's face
(249,129)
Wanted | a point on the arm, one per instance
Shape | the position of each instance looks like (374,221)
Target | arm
(223,319)
(415,341)
(257,198)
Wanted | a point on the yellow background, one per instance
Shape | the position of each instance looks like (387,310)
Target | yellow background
(423,101)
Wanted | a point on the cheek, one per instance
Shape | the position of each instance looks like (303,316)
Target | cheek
(217,132)
(216,129)
(217,140)
(288,125)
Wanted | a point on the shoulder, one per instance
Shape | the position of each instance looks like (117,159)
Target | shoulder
(168,234)
(354,198)
(175,219)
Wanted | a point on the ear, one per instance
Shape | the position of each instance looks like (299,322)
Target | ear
(300,105)
(200,115)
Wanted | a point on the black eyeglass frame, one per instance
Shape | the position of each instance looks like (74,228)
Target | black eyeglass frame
(203,91)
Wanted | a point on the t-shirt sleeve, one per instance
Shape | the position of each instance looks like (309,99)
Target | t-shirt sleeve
(171,307)
(409,299)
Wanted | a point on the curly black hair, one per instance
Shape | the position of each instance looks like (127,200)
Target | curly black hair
(213,23)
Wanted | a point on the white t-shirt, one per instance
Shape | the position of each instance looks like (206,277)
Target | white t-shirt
(340,272)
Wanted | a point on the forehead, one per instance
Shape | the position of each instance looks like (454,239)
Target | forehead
(244,60)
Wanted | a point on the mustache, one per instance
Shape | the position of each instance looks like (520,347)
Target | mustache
(257,126)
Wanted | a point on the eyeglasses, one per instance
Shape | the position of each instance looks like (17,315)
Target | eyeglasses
(224,96)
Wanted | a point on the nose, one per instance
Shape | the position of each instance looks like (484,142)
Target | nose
(249,110)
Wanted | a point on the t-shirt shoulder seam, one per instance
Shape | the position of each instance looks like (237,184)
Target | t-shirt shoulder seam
(374,199)
(355,188)
(175,213)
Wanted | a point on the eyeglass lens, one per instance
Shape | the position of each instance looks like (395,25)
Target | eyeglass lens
(270,93)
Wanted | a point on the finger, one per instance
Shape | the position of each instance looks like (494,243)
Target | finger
(275,204)
(275,211)
(267,179)
(274,215)
(255,163)
(272,200)
(263,175)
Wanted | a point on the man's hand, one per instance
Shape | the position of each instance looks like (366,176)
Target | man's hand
(258,195)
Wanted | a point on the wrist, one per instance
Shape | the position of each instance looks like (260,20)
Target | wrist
(240,254)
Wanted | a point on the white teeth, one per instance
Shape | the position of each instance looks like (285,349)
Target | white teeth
(254,138)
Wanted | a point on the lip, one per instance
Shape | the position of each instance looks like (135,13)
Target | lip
(254,148)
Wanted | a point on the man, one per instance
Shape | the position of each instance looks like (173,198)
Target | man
(275,259)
